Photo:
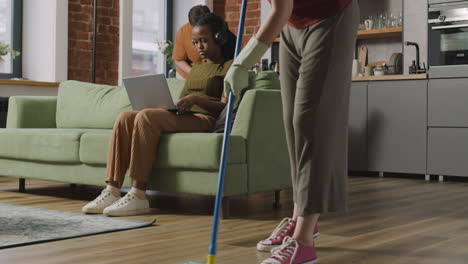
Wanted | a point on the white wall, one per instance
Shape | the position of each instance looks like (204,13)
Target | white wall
(125,45)
(45,40)
(265,8)
(415,30)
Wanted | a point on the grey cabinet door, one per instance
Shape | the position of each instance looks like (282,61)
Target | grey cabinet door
(357,150)
(448,151)
(448,103)
(397,126)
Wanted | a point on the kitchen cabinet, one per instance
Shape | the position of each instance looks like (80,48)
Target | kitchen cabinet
(397,126)
(448,151)
(448,102)
(357,150)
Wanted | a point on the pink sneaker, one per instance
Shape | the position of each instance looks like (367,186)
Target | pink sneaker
(292,252)
(284,229)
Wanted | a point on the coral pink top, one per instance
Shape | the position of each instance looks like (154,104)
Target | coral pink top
(308,12)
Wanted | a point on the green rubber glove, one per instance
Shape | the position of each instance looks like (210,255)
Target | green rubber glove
(237,78)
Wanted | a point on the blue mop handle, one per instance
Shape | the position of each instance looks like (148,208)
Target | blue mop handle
(225,147)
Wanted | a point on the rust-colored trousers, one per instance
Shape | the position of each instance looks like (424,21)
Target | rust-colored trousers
(135,139)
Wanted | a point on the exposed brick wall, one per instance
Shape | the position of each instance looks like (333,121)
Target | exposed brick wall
(80,50)
(218,7)
(230,10)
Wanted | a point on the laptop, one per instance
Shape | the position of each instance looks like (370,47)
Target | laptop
(149,91)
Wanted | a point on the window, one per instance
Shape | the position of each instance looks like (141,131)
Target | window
(10,34)
(150,24)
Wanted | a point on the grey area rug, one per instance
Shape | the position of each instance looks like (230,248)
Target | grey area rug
(22,225)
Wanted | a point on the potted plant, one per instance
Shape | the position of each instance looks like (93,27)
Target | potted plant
(166,47)
(5,49)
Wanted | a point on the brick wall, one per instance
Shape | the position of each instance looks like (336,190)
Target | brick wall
(230,10)
(80,28)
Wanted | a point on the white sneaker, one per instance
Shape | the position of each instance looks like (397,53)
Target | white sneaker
(96,206)
(130,204)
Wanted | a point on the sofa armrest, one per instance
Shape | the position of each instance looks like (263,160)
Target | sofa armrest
(31,112)
(260,121)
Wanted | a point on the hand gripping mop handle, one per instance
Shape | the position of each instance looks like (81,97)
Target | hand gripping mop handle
(211,259)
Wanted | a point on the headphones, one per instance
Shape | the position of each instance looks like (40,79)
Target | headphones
(221,37)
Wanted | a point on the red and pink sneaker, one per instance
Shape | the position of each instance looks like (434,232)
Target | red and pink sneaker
(284,229)
(292,252)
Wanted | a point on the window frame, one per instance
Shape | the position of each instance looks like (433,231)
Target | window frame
(17,43)
(126,35)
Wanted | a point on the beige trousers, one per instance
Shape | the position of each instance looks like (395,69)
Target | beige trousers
(135,139)
(315,67)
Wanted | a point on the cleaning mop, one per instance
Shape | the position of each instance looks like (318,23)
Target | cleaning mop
(211,258)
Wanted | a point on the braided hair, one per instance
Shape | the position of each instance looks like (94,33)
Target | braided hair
(217,25)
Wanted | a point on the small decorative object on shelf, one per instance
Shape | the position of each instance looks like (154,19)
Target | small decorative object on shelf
(166,47)
(383,20)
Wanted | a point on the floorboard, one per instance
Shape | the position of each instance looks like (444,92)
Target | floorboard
(391,220)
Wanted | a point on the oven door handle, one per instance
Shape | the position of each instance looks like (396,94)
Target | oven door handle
(450,26)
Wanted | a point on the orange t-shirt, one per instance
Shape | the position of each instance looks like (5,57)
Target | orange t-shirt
(184,50)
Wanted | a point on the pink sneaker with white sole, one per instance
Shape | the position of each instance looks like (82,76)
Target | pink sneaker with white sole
(292,252)
(284,229)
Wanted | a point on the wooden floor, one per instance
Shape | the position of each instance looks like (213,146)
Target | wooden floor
(391,220)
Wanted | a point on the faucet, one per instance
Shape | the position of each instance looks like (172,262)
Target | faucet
(418,65)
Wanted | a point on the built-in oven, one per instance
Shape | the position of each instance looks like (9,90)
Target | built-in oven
(448,38)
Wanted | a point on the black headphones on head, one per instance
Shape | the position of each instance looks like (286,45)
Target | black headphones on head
(221,37)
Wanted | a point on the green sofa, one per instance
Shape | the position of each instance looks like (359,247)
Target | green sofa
(65,139)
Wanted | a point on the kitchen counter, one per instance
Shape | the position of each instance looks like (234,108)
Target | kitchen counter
(390,77)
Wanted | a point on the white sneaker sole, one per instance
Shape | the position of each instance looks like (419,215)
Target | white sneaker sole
(128,213)
(268,248)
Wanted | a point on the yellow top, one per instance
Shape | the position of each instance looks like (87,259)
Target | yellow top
(206,79)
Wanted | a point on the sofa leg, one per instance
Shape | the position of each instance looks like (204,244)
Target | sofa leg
(225,208)
(22,185)
(277,203)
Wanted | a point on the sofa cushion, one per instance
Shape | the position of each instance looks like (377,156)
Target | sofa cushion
(94,147)
(263,80)
(85,105)
(88,105)
(267,80)
(178,150)
(51,145)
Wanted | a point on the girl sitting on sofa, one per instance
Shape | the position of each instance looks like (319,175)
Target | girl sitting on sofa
(136,134)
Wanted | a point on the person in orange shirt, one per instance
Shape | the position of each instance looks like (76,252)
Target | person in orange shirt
(185,53)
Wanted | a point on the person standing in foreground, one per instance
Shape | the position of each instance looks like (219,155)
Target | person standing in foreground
(316,53)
